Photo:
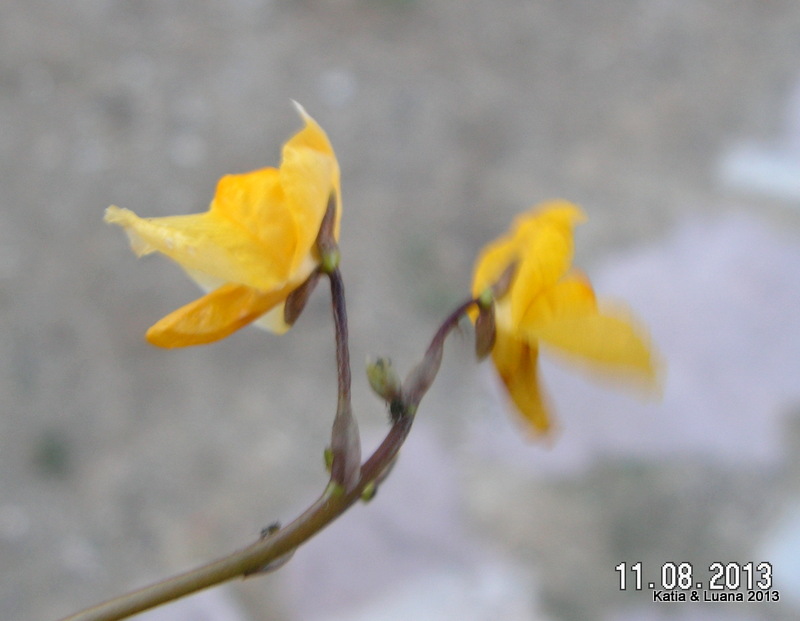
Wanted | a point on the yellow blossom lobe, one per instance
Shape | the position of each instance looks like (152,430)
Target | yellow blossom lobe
(552,306)
(251,249)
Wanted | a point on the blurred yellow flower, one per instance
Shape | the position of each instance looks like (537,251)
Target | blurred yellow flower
(252,248)
(549,304)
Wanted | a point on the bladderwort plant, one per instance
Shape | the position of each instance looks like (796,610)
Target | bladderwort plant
(260,250)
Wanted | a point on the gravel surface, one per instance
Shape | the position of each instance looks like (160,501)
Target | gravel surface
(121,464)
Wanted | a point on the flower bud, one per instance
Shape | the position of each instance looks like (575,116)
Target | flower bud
(383,379)
(329,259)
(329,255)
(485,299)
(370,489)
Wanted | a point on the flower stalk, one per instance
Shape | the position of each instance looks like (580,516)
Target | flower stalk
(351,483)
(345,440)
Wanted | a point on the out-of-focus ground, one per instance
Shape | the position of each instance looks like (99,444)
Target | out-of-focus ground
(675,124)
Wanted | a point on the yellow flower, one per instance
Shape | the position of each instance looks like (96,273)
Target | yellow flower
(251,249)
(552,306)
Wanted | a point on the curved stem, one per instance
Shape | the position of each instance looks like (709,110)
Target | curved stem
(251,558)
(322,512)
(345,440)
(449,324)
(342,339)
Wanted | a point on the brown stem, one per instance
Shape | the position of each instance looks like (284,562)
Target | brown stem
(249,559)
(283,541)
(449,324)
(422,376)
(342,338)
(345,441)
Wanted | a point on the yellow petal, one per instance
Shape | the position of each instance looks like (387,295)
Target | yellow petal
(570,297)
(254,245)
(213,316)
(541,242)
(516,363)
(492,262)
(255,203)
(261,226)
(544,238)
(312,136)
(609,342)
(309,175)
(283,208)
(210,244)
(273,320)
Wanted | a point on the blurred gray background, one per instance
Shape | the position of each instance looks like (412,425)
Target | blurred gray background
(674,123)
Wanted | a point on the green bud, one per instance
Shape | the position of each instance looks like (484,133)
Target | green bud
(326,242)
(383,379)
(327,455)
(329,260)
(334,490)
(485,299)
(369,491)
